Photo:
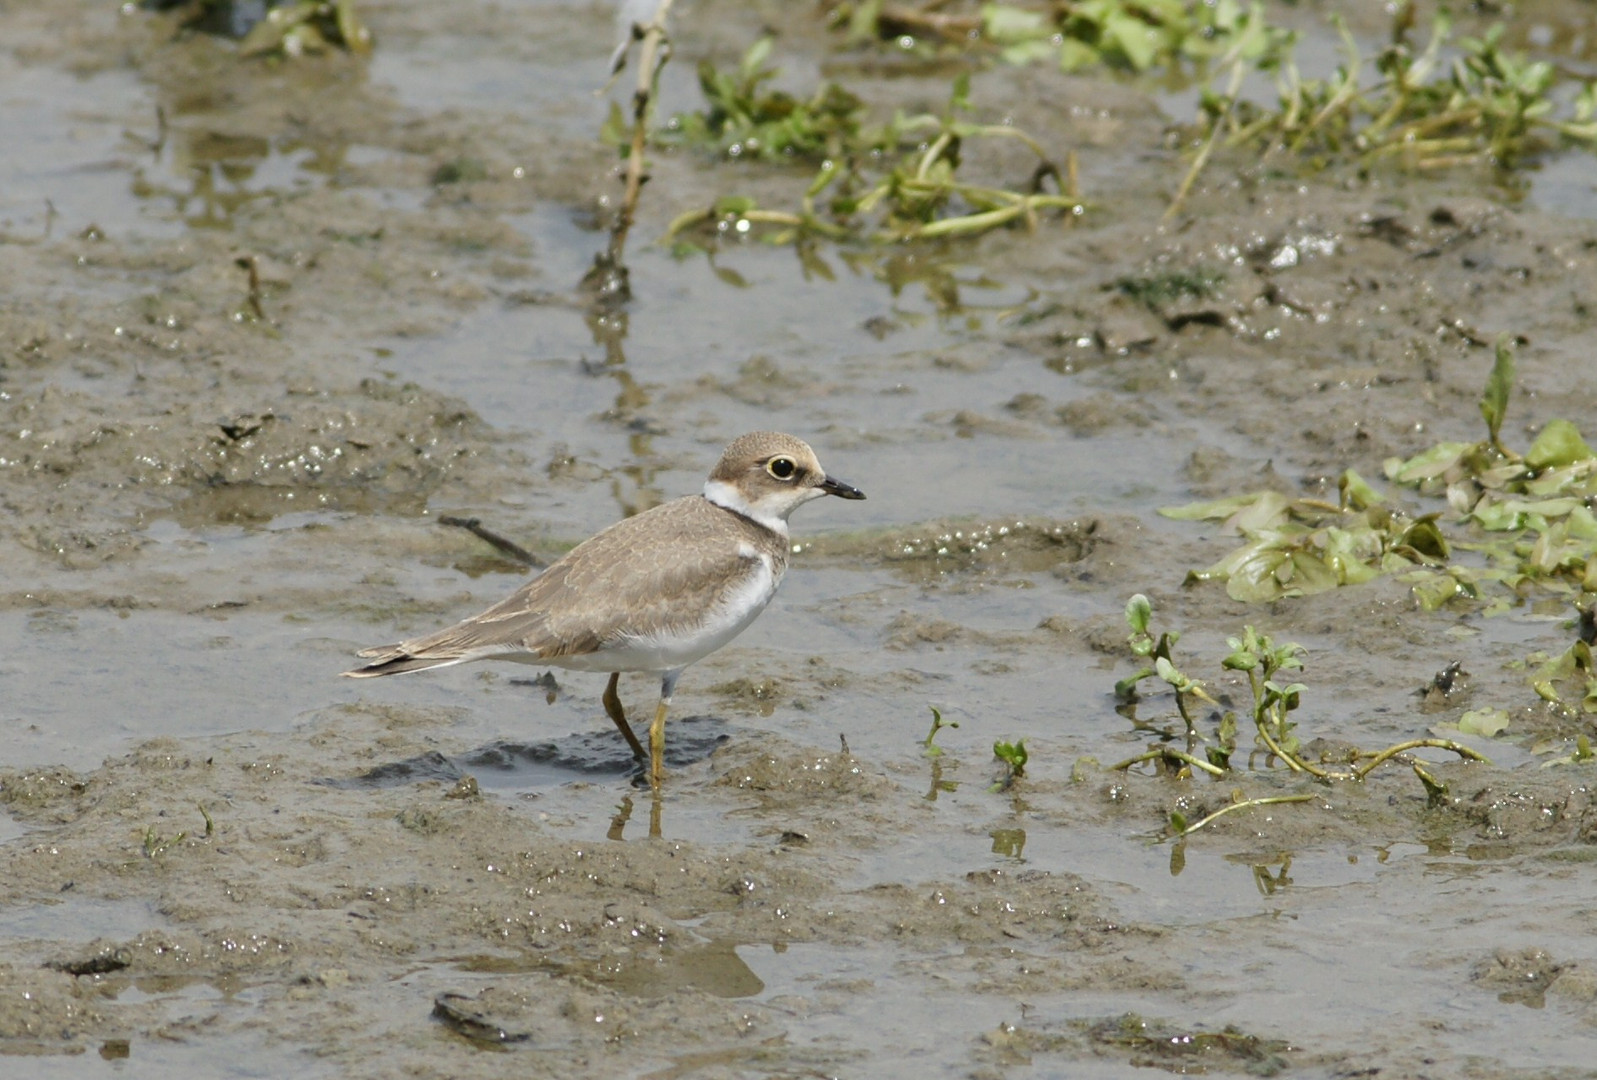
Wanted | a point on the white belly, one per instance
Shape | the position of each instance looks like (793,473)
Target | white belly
(676,648)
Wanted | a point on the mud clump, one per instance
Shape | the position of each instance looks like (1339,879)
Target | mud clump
(944,549)
(386,447)
(46,795)
(1530,812)
(1521,977)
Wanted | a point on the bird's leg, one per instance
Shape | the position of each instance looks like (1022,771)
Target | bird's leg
(668,684)
(657,743)
(612,705)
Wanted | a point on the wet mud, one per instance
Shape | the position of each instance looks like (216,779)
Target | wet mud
(267,324)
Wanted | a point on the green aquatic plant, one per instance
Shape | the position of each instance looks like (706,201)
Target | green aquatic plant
(1298,547)
(1155,290)
(1265,663)
(1567,681)
(1180,826)
(931,749)
(1514,522)
(1582,753)
(1161,665)
(1488,723)
(155,844)
(889,183)
(1525,518)
(1532,510)
(1136,35)
(1262,660)
(1494,398)
(1456,101)
(1453,101)
(1014,757)
(746,118)
(307,26)
(274,28)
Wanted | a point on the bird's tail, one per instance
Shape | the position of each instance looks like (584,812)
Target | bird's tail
(394,660)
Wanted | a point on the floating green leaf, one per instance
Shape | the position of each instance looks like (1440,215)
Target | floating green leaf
(1558,444)
(1357,494)
(1568,679)
(1484,722)
(1138,612)
(1430,464)
(1212,510)
(1432,590)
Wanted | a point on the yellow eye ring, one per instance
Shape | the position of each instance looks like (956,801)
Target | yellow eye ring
(783,468)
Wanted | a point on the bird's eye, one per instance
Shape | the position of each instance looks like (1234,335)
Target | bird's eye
(781,467)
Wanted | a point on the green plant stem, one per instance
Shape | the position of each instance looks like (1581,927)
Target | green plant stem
(1165,753)
(758,217)
(1345,94)
(1344,97)
(1449,161)
(1390,752)
(1234,58)
(1245,134)
(1181,707)
(959,226)
(933,152)
(1262,722)
(1295,763)
(998,131)
(1244,805)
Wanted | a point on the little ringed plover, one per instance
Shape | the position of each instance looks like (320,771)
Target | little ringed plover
(654,592)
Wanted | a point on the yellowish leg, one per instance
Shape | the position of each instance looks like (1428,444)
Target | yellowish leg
(612,705)
(657,743)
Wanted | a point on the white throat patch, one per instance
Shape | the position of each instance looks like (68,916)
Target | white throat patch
(730,498)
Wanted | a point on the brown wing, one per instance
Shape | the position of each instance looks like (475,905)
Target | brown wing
(649,570)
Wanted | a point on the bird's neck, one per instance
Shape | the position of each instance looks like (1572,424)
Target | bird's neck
(727,497)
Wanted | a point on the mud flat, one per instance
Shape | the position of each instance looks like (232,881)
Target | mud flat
(217,859)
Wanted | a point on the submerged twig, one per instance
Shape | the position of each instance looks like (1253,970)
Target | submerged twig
(505,547)
(653,52)
(251,266)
